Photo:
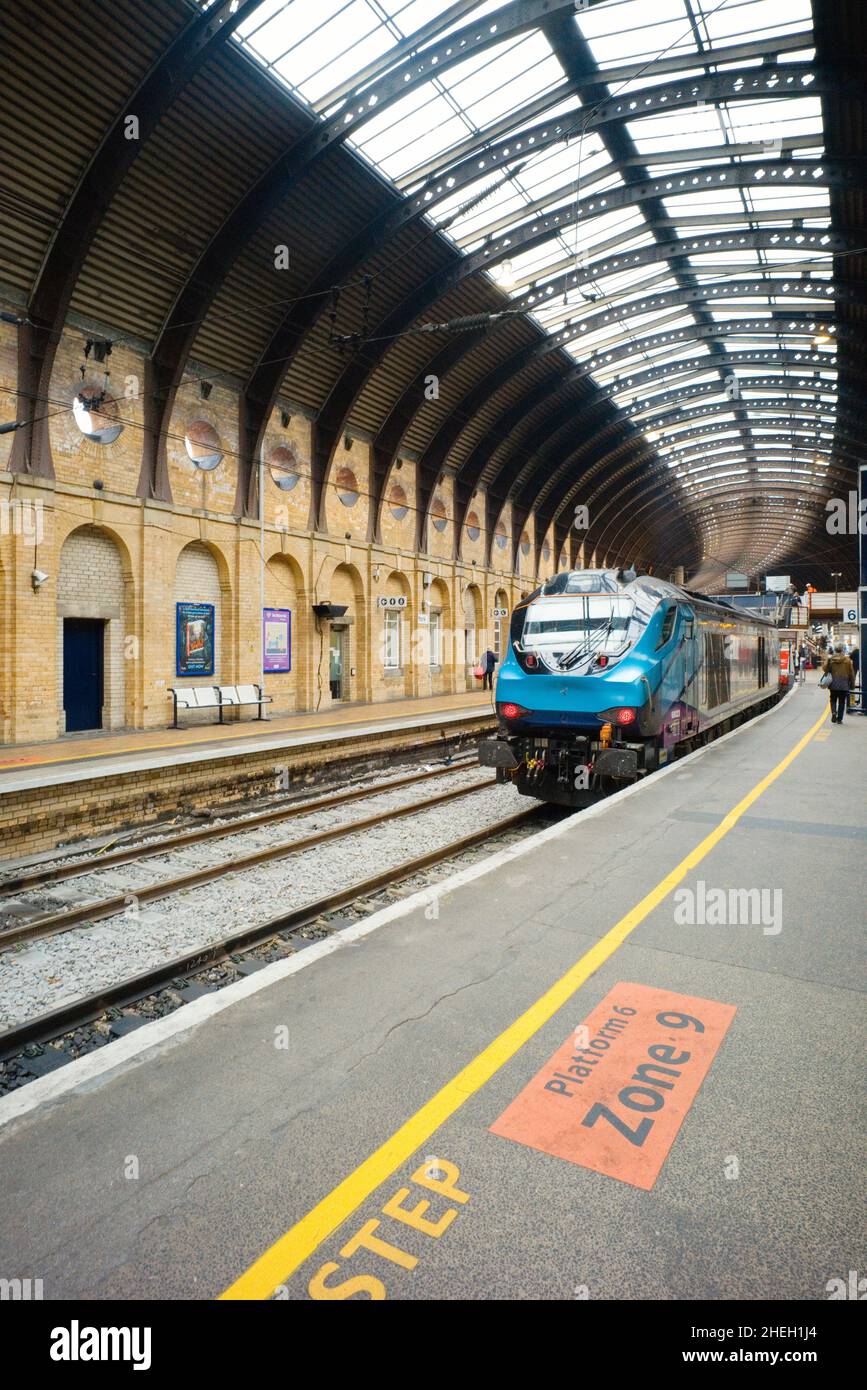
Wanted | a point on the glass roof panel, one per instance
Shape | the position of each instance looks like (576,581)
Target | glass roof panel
(322,48)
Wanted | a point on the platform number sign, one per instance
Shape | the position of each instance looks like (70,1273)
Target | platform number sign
(615,1102)
(392,601)
(850,615)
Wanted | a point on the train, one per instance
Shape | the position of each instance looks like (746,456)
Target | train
(609,675)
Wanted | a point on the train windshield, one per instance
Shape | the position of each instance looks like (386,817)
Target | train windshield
(570,627)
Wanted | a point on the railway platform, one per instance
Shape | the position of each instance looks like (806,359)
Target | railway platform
(620,1060)
(101,780)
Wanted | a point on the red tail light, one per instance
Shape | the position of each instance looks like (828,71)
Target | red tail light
(512,711)
(626,715)
(531,661)
(602,660)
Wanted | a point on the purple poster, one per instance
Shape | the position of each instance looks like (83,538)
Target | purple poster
(276,639)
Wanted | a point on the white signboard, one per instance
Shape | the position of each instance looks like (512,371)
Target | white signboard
(850,615)
(735,580)
(777,583)
(392,601)
(500,612)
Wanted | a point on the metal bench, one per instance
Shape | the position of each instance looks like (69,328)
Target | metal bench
(231,695)
(218,697)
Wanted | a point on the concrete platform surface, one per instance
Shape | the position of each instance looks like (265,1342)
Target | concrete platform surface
(112,754)
(314,1115)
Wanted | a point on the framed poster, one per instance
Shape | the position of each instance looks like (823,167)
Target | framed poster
(195,639)
(276,639)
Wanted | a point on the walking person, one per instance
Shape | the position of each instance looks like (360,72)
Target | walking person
(489,661)
(802,663)
(839,667)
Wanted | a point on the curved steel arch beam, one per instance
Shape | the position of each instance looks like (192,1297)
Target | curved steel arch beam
(772,79)
(787,387)
(808,360)
(780,442)
(410,401)
(612,466)
(705,502)
(792,422)
(195,296)
(694,366)
(766,406)
(764,239)
(535,231)
(198,40)
(452,428)
(736,540)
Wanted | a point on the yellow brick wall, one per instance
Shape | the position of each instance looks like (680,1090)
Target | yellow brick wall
(105,547)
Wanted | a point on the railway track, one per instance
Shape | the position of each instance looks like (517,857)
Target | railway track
(72,868)
(91,911)
(282,935)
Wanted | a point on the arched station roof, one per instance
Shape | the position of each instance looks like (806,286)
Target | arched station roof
(626,236)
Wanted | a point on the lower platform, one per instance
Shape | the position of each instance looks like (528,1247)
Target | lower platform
(284,1137)
(102,782)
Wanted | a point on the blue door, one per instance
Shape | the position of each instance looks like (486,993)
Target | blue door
(82,673)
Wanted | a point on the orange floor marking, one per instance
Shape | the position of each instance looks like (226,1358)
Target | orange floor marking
(614,1096)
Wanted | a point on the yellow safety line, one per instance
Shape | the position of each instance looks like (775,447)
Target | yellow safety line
(299,1243)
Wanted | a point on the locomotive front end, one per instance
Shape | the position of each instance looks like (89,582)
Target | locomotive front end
(571,696)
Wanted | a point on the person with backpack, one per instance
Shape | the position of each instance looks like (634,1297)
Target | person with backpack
(838,666)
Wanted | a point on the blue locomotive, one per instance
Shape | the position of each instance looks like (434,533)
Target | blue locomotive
(608,675)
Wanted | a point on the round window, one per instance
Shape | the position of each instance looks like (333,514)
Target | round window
(501,535)
(438,514)
(203,446)
(397,502)
(347,486)
(546,551)
(95,415)
(474,528)
(283,466)
(524,543)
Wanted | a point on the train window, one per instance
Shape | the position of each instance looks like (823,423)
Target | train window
(667,627)
(716,671)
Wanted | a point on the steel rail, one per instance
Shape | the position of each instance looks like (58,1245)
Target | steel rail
(79,1013)
(129,853)
(55,923)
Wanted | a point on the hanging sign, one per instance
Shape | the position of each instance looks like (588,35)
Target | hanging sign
(392,601)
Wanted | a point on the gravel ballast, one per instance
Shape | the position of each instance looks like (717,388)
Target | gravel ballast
(43,975)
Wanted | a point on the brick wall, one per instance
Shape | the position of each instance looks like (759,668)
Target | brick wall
(138,555)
